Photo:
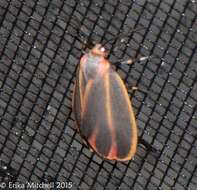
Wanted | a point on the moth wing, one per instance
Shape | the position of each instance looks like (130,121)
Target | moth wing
(77,101)
(107,119)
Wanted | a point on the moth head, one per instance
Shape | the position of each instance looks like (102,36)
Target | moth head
(99,50)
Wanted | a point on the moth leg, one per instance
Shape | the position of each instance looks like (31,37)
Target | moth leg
(132,61)
(147,145)
(127,62)
(135,88)
(123,62)
(132,88)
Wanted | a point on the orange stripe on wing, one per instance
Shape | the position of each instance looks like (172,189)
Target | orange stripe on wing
(92,138)
(85,97)
(113,150)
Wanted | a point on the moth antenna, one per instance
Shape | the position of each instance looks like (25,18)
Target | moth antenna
(121,35)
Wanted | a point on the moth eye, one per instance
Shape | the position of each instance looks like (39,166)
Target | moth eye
(102,49)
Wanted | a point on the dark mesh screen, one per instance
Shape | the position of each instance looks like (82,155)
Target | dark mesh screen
(40,48)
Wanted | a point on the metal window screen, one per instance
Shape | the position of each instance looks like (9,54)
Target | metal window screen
(39,53)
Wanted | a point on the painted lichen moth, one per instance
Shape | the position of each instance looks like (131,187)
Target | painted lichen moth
(102,108)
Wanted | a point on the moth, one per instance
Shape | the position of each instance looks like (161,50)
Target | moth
(102,108)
